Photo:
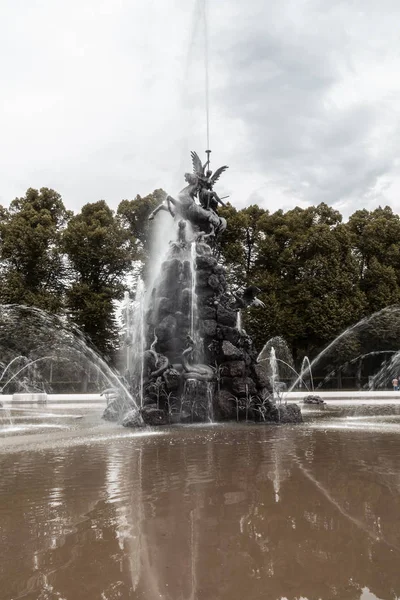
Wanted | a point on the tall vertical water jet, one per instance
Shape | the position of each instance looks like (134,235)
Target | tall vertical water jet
(135,339)
(239,320)
(281,347)
(283,354)
(127,316)
(140,300)
(273,363)
(193,295)
(306,368)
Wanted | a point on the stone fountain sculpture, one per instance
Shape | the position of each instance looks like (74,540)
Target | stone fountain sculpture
(197,365)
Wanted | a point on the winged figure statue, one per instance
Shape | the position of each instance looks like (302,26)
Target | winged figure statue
(208,198)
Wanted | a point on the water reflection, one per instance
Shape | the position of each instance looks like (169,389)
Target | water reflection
(204,513)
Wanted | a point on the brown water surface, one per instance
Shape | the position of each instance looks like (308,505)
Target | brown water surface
(236,512)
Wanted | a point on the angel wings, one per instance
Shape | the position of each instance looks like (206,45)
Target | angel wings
(199,170)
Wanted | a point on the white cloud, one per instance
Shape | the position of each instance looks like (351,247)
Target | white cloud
(104,99)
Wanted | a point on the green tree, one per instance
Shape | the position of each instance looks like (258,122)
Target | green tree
(239,244)
(33,268)
(134,216)
(309,278)
(99,250)
(375,239)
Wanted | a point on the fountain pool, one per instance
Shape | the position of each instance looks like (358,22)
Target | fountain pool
(92,510)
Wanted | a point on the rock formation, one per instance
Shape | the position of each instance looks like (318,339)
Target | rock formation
(197,365)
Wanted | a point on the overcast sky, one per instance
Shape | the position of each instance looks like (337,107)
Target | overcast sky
(105,98)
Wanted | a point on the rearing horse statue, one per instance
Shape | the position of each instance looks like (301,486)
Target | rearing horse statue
(205,220)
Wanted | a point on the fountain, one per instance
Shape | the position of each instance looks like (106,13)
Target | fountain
(49,343)
(274,372)
(283,355)
(373,336)
(239,320)
(281,347)
(24,396)
(306,368)
(198,364)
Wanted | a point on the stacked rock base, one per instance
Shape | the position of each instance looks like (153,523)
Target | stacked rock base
(198,366)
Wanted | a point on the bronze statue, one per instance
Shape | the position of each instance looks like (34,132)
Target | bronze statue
(208,198)
(202,218)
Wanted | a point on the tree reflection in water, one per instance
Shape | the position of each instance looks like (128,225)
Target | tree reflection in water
(203,513)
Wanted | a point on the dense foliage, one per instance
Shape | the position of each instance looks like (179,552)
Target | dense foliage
(318,275)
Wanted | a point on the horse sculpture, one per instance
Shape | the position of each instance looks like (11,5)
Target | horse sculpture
(204,220)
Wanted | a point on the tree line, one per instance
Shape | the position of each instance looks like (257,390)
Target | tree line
(72,264)
(317,274)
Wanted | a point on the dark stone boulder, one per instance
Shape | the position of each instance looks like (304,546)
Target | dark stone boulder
(266,412)
(150,316)
(186,301)
(207,312)
(222,280)
(266,393)
(226,383)
(208,328)
(211,352)
(219,270)
(289,413)
(313,399)
(260,375)
(133,419)
(154,416)
(112,411)
(182,320)
(246,342)
(171,277)
(235,368)
(225,316)
(248,359)
(116,407)
(225,405)
(165,306)
(170,346)
(166,329)
(172,268)
(230,352)
(243,386)
(186,271)
(148,399)
(206,262)
(202,278)
(204,293)
(172,380)
(203,249)
(230,334)
(214,282)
